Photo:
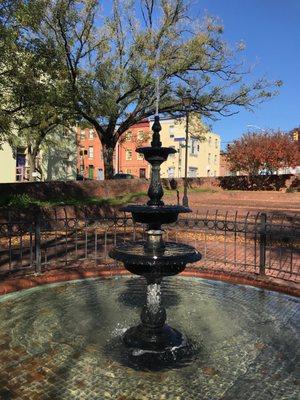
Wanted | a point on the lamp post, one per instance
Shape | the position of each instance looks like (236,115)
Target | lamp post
(187,102)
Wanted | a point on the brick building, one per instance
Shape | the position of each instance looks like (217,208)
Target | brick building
(127,160)
(90,158)
(203,154)
(224,165)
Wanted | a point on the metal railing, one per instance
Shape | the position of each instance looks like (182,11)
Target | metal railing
(260,243)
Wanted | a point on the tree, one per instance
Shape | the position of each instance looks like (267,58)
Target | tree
(112,64)
(33,102)
(263,151)
(36,128)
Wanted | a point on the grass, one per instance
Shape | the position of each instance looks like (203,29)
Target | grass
(23,201)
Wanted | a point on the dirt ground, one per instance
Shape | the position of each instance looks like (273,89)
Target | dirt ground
(241,201)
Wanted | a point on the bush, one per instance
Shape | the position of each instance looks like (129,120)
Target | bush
(20,201)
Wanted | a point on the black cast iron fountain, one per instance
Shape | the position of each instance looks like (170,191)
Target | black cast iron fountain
(153,340)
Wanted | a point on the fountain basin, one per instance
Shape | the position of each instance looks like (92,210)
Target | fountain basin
(64,341)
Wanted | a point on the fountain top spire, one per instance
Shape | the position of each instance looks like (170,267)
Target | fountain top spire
(156,128)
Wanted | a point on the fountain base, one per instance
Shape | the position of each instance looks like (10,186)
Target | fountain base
(157,350)
(138,337)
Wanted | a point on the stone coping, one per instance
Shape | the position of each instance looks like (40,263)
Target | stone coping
(13,284)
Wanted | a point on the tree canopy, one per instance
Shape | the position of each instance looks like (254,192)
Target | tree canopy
(106,65)
(264,152)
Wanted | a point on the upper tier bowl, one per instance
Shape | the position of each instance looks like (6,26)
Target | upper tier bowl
(155,214)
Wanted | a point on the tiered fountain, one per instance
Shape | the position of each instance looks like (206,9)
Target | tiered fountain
(153,340)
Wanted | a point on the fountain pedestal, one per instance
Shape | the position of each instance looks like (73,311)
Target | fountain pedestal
(153,340)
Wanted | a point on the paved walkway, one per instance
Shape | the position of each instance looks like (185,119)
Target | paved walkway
(241,201)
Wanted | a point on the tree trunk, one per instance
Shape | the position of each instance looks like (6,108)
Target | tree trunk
(31,164)
(108,152)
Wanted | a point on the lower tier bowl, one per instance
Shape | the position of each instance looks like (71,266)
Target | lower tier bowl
(169,261)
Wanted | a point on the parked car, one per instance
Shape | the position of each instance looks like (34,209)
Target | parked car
(123,176)
(79,177)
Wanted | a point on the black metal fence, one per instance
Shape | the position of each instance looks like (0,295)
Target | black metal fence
(260,243)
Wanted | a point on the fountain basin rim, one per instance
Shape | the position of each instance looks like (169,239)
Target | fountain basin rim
(29,281)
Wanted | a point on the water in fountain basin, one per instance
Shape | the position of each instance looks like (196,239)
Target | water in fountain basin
(63,342)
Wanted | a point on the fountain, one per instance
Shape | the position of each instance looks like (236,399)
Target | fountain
(154,341)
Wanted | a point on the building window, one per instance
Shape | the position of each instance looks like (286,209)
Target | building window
(215,159)
(171,131)
(140,156)
(209,140)
(91,134)
(128,171)
(172,155)
(194,147)
(128,136)
(141,136)
(216,143)
(128,155)
(82,134)
(208,159)
(91,152)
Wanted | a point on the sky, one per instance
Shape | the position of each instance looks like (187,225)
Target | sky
(271,32)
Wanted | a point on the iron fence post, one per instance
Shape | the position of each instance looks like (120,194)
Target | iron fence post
(37,244)
(262,243)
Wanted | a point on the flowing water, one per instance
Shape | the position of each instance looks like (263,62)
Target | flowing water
(63,341)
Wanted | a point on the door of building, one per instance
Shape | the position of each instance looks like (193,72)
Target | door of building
(100,174)
(91,172)
(142,173)
(193,172)
(20,170)
(171,172)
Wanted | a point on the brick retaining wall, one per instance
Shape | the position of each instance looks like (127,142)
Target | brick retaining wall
(112,188)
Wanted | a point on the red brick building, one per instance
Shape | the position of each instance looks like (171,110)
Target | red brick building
(224,165)
(90,159)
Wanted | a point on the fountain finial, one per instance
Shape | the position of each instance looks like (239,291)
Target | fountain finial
(156,128)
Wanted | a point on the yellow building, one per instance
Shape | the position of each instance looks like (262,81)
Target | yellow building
(203,148)
(7,164)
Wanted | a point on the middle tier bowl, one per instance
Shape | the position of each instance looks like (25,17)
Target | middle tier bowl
(149,214)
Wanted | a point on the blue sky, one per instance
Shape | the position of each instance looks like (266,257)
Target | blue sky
(271,31)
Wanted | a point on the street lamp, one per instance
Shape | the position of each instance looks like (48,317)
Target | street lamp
(187,102)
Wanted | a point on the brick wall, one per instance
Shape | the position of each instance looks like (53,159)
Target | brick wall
(79,189)
(112,188)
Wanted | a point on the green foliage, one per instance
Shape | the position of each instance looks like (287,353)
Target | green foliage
(17,201)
